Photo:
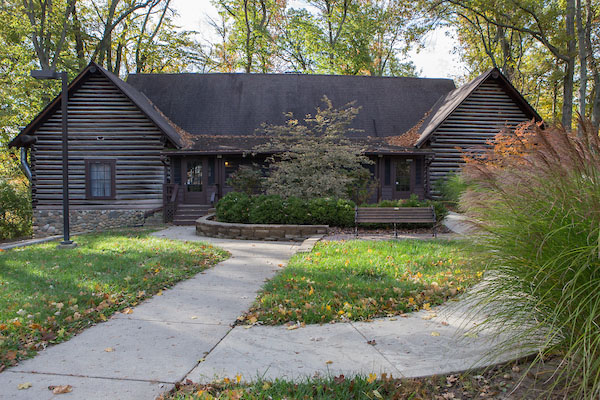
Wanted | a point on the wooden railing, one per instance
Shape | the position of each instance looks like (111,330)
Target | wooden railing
(170,193)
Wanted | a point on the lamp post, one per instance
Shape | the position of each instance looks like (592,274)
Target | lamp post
(51,74)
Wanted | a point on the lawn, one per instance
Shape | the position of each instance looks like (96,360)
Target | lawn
(48,294)
(511,380)
(360,280)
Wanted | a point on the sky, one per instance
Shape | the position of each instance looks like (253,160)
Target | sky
(435,60)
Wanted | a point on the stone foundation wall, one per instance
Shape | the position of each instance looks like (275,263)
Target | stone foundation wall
(50,222)
(206,226)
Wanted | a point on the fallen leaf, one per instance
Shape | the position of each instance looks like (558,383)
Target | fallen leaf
(159,293)
(434,333)
(61,389)
(292,327)
(109,349)
(393,319)
(11,355)
(429,316)
(328,362)
(194,317)
(25,385)
(127,311)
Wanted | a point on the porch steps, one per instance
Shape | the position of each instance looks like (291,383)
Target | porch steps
(187,214)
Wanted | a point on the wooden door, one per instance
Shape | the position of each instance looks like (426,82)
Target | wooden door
(403,178)
(194,180)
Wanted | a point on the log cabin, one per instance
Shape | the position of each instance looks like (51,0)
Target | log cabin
(166,144)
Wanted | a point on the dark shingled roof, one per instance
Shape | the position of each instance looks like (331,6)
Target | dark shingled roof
(237,104)
(446,105)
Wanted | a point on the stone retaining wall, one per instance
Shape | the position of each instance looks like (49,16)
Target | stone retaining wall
(207,226)
(50,222)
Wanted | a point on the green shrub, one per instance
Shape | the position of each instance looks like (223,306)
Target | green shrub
(247,179)
(295,211)
(272,209)
(333,212)
(413,201)
(540,207)
(451,189)
(267,209)
(15,209)
(234,207)
(440,209)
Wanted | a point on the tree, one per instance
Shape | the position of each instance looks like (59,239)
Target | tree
(250,31)
(315,159)
(550,23)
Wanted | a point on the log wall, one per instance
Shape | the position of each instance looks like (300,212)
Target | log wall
(483,114)
(103,124)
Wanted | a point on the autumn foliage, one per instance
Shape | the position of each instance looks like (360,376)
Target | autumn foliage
(537,196)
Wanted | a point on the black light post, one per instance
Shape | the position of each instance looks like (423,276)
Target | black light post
(51,74)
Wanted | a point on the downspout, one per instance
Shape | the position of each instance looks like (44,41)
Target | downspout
(24,165)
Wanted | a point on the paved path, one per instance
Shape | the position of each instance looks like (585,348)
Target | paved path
(162,340)
(186,333)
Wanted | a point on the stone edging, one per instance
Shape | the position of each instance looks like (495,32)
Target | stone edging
(205,226)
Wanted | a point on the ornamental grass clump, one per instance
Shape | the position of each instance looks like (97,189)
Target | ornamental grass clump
(537,196)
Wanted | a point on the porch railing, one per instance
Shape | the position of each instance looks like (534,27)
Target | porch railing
(170,193)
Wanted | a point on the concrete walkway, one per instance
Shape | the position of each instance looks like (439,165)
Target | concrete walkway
(140,355)
(186,334)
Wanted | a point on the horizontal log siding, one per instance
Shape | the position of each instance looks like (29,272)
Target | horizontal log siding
(471,126)
(103,123)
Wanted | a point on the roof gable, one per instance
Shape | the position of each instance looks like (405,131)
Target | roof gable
(237,104)
(447,104)
(172,132)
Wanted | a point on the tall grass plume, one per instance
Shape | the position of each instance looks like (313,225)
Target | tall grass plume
(537,197)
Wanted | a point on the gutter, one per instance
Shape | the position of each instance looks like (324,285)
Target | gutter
(24,165)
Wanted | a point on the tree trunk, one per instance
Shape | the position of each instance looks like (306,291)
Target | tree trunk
(583,52)
(81,61)
(596,101)
(567,108)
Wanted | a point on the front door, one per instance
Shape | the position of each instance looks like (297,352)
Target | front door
(402,178)
(193,174)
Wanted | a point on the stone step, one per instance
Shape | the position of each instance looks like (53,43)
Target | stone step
(195,206)
(184,221)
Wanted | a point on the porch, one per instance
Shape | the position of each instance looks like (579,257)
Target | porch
(195,183)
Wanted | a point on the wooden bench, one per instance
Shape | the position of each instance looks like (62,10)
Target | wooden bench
(395,215)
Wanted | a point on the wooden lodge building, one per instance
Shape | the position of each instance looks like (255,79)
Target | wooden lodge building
(166,143)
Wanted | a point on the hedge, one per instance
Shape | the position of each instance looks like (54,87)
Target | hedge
(238,207)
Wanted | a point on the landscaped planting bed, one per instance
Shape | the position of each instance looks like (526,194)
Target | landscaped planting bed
(48,294)
(359,280)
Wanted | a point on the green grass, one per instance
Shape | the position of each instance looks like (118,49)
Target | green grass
(48,294)
(511,380)
(359,280)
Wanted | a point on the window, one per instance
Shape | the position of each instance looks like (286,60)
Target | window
(177,171)
(194,176)
(230,167)
(211,171)
(100,179)
(402,175)
(419,172)
(387,172)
